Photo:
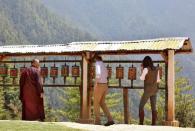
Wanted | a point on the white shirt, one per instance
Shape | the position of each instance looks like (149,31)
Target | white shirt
(145,72)
(101,72)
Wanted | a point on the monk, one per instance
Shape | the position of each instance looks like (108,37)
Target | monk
(31,93)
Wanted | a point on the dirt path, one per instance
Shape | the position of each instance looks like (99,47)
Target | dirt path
(123,127)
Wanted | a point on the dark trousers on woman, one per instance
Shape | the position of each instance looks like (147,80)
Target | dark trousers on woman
(143,101)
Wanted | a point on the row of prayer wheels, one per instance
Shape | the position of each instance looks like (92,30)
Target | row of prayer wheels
(13,72)
(132,72)
(64,71)
(75,72)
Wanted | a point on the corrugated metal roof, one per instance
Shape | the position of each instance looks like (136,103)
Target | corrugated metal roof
(160,44)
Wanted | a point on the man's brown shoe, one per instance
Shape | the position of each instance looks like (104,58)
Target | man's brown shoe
(109,123)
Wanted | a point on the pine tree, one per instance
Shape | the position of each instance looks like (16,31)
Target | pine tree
(2,109)
(185,102)
(10,105)
(71,109)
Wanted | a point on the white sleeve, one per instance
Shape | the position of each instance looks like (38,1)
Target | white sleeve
(158,77)
(105,71)
(98,71)
(144,73)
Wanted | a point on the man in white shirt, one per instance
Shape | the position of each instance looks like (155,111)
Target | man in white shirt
(100,91)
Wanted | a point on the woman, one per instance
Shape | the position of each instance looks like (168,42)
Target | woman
(151,78)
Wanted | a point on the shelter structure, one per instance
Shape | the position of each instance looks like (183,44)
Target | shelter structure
(83,68)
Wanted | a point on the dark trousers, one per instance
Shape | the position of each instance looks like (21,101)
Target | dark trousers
(145,98)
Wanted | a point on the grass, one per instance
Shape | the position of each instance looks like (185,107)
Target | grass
(10,125)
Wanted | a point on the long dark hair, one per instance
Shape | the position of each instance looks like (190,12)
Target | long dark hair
(147,62)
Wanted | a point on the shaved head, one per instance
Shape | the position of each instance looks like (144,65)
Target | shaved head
(35,63)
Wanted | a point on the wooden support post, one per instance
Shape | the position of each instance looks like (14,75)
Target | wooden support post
(90,86)
(166,90)
(170,118)
(89,93)
(89,102)
(126,105)
(81,104)
(164,56)
(85,106)
(84,116)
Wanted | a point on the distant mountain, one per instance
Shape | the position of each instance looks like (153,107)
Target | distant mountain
(133,19)
(129,19)
(30,22)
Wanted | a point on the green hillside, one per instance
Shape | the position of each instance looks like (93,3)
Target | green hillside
(29,22)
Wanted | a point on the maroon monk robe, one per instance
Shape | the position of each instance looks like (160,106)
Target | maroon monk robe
(30,95)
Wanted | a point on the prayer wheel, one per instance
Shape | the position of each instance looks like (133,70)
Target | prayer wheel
(3,71)
(119,72)
(75,71)
(132,73)
(54,71)
(92,72)
(65,71)
(44,72)
(13,72)
(109,69)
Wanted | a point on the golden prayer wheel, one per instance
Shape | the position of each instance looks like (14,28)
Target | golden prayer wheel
(54,71)
(65,71)
(132,73)
(119,72)
(13,72)
(92,72)
(44,72)
(3,71)
(75,71)
(109,69)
